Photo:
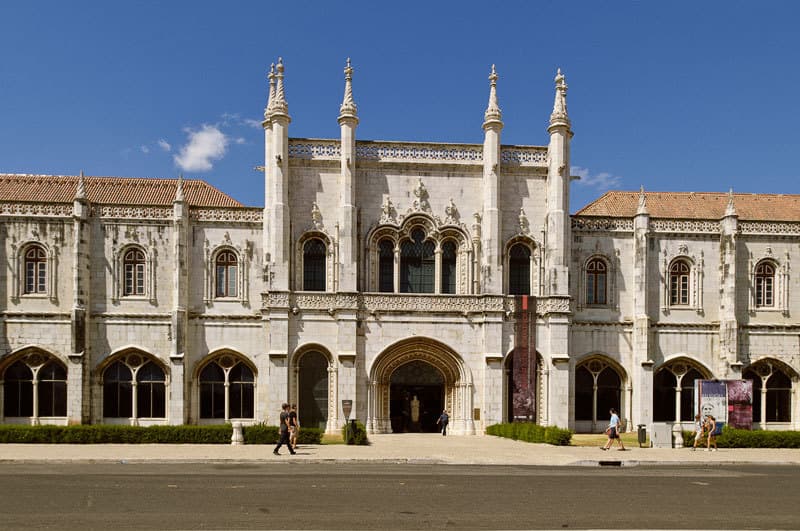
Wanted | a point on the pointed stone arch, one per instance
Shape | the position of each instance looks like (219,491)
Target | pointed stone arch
(295,381)
(458,384)
(601,370)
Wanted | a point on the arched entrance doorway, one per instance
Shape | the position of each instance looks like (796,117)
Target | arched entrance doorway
(426,359)
(312,396)
(416,397)
(509,389)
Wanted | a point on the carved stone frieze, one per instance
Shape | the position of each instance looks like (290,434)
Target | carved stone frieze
(315,149)
(132,212)
(602,224)
(524,156)
(236,215)
(413,152)
(405,303)
(36,209)
(691,226)
(764,227)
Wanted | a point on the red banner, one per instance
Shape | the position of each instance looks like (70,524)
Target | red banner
(523,377)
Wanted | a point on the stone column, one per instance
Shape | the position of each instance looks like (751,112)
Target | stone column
(348,235)
(78,390)
(178,407)
(641,377)
(492,278)
(728,363)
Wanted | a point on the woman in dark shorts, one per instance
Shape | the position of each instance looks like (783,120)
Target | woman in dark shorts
(613,431)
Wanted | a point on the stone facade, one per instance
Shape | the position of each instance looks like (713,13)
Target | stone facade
(198,311)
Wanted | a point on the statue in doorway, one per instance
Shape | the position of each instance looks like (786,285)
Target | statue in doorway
(414,410)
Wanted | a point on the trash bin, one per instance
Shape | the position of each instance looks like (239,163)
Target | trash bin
(642,435)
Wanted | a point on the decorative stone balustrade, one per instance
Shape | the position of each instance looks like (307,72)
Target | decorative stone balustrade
(415,152)
(405,303)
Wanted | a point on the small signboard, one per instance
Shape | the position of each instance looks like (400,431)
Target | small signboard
(347,408)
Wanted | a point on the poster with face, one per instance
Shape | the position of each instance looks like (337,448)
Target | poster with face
(711,398)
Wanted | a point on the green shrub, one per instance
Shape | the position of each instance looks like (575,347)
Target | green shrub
(351,436)
(735,438)
(263,434)
(181,434)
(530,432)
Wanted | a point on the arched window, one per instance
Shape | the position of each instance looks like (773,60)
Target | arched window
(49,382)
(519,270)
(596,282)
(150,391)
(242,392)
(584,390)
(227,268)
(449,267)
(134,266)
(598,388)
(118,391)
(417,264)
(18,391)
(664,384)
(687,394)
(314,265)
(765,285)
(35,270)
(52,390)
(386,266)
(779,398)
(212,392)
(679,283)
(677,377)
(227,381)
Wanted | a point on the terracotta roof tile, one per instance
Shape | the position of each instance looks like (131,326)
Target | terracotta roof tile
(110,190)
(696,205)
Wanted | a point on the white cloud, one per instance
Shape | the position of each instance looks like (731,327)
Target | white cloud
(163,144)
(204,145)
(240,140)
(252,123)
(144,149)
(602,181)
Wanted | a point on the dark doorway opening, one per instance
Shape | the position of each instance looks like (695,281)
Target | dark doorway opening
(416,398)
(313,396)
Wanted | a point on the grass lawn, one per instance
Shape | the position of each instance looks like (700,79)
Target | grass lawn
(332,438)
(599,439)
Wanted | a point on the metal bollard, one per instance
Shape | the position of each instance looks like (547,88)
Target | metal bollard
(236,437)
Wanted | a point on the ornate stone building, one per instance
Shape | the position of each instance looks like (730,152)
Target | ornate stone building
(385,275)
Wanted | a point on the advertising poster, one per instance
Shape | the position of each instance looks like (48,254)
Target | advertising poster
(711,398)
(524,360)
(740,404)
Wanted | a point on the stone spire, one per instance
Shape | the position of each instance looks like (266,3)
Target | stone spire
(279,105)
(179,195)
(80,193)
(642,202)
(492,115)
(559,117)
(271,99)
(349,109)
(731,209)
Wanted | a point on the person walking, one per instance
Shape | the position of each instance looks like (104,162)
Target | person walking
(284,433)
(444,419)
(711,426)
(613,431)
(699,430)
(294,427)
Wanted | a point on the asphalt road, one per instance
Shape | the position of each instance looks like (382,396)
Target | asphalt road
(380,496)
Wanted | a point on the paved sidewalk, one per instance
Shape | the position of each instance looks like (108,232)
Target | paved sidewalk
(405,448)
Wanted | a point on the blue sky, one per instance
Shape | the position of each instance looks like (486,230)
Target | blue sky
(686,96)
